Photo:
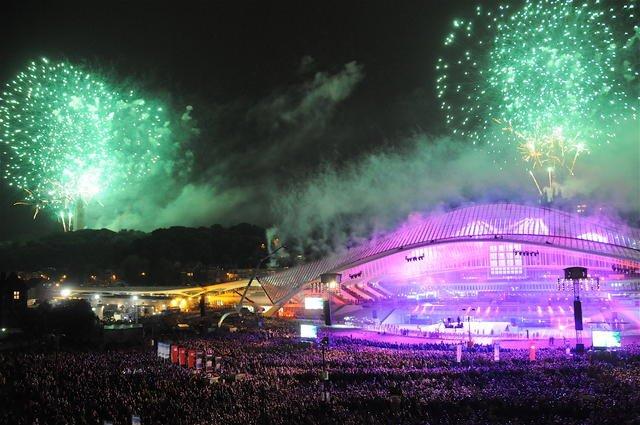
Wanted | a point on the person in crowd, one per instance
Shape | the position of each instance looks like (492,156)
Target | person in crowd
(370,382)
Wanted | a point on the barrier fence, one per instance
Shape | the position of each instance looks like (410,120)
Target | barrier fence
(189,358)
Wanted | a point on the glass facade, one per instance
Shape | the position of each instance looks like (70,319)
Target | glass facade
(481,243)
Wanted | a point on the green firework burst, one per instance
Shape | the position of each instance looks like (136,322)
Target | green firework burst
(553,77)
(69,136)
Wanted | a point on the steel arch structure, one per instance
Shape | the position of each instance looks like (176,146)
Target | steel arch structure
(531,225)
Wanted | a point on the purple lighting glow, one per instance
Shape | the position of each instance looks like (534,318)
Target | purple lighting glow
(503,259)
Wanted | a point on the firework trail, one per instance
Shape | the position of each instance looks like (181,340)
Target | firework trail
(69,137)
(553,78)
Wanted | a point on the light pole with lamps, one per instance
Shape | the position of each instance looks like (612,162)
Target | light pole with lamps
(330,284)
(576,279)
(469,320)
(324,382)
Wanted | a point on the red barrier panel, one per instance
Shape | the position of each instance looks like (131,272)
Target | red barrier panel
(174,353)
(191,359)
(182,356)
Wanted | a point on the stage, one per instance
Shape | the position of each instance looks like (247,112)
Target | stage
(505,342)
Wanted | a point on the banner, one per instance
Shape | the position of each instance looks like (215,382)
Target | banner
(174,354)
(459,353)
(182,356)
(191,359)
(164,350)
(199,359)
(496,352)
(532,353)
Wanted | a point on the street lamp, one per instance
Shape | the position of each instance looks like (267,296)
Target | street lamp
(331,281)
(469,320)
(323,343)
(330,284)
(324,385)
(576,279)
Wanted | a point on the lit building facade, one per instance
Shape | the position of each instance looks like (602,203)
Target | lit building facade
(483,252)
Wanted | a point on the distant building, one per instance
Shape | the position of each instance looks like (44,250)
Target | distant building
(13,299)
(480,253)
(207,275)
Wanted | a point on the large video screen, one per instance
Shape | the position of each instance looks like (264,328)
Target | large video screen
(312,303)
(308,331)
(606,339)
(164,350)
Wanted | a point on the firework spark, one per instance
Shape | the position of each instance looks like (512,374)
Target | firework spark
(70,136)
(553,77)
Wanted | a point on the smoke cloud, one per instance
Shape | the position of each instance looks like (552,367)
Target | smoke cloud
(610,175)
(380,190)
(231,170)
(242,169)
(384,188)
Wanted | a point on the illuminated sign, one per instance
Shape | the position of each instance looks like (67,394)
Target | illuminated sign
(313,303)
(308,331)
(606,339)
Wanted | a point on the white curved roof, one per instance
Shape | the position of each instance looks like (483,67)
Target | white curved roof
(509,222)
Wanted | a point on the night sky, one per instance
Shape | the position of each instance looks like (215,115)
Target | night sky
(228,59)
(281,90)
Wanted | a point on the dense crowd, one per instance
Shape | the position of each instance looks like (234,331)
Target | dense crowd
(369,382)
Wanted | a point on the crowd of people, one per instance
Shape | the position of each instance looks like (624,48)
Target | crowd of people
(368,382)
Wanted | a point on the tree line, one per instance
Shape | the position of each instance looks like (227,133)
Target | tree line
(156,258)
